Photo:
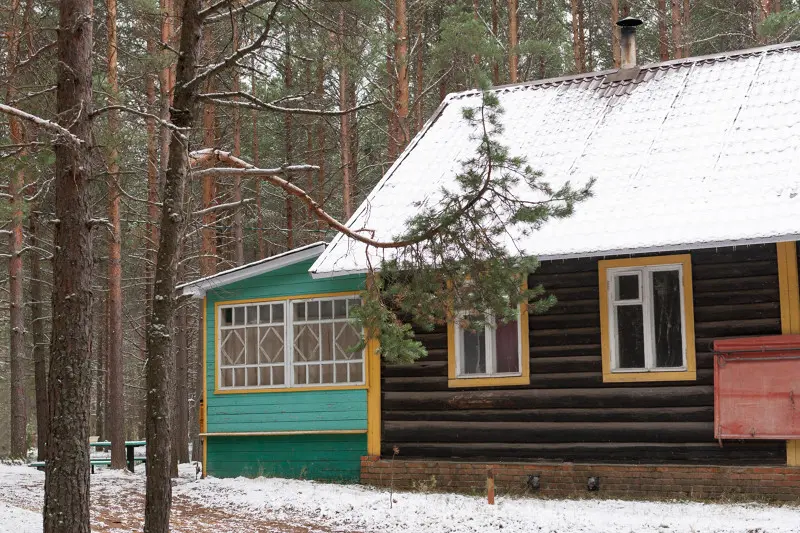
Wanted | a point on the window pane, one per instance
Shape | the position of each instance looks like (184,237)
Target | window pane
(300,311)
(238,316)
(326,310)
(265,376)
(226,316)
(227,377)
(277,313)
(474,348)
(352,303)
(238,377)
(312,311)
(341,372)
(630,336)
(313,374)
(306,343)
(340,308)
(507,345)
(278,373)
(232,348)
(252,377)
(327,373)
(264,313)
(271,344)
(252,314)
(251,342)
(326,341)
(346,337)
(356,372)
(627,287)
(667,318)
(300,375)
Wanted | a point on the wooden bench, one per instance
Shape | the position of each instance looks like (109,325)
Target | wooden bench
(104,462)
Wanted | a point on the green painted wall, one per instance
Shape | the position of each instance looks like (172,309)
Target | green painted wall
(321,457)
(311,456)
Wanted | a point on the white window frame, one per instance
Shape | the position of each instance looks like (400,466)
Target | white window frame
(288,345)
(646,301)
(490,339)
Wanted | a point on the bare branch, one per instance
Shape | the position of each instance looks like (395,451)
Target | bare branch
(224,16)
(143,114)
(219,207)
(256,103)
(46,124)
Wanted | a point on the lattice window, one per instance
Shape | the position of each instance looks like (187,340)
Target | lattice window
(295,342)
(323,340)
(252,345)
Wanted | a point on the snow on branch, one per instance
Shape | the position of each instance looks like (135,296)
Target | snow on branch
(205,13)
(256,103)
(49,125)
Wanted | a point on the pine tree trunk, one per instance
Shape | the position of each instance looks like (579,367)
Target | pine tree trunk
(615,34)
(663,40)
(160,363)
(319,154)
(288,132)
(687,10)
(66,500)
(344,122)
(577,35)
(101,373)
(392,134)
(16,312)
(116,368)
(39,340)
(401,65)
(677,23)
(238,232)
(254,119)
(513,40)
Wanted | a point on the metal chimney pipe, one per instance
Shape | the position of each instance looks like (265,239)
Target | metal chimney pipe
(627,42)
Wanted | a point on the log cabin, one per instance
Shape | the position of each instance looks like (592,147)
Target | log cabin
(625,385)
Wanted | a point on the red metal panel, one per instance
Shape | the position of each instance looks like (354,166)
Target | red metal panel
(757,388)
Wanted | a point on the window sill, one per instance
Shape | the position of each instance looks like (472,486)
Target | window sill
(290,389)
(496,381)
(630,377)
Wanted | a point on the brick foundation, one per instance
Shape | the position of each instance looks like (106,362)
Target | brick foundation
(776,483)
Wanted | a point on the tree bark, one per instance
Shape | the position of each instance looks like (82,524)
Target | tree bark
(344,121)
(513,40)
(260,216)
(687,10)
(39,341)
(238,235)
(116,368)
(615,34)
(677,35)
(320,137)
(663,40)
(578,43)
(401,66)
(288,132)
(160,364)
(66,500)
(19,416)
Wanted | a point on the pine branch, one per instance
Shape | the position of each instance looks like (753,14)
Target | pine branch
(48,125)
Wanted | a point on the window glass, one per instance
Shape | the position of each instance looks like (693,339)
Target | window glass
(474,350)
(668,333)
(627,287)
(630,338)
(507,347)
(251,353)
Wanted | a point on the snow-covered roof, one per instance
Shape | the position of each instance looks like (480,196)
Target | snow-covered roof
(199,287)
(696,152)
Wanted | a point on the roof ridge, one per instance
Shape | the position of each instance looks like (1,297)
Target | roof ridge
(721,56)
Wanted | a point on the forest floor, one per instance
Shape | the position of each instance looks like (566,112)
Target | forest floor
(289,506)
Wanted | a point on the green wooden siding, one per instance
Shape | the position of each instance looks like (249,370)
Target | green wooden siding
(321,457)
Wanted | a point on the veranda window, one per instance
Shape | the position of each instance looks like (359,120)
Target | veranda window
(286,343)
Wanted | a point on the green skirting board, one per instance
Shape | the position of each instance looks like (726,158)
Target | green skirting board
(334,457)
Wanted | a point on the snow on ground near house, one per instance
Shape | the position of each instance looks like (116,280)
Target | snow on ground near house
(279,505)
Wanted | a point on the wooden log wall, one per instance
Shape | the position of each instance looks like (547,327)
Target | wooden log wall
(567,413)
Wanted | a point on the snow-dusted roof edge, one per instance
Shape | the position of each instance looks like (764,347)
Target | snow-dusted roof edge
(199,287)
(366,203)
(623,251)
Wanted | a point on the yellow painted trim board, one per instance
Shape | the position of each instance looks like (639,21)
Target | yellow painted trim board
(690,374)
(204,408)
(285,433)
(217,305)
(374,397)
(790,315)
(501,381)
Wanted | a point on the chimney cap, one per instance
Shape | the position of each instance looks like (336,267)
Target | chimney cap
(629,22)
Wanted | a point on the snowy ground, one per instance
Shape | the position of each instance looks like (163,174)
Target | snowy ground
(288,506)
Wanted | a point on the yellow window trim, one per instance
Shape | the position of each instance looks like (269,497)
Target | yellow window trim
(219,391)
(790,315)
(690,374)
(524,378)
